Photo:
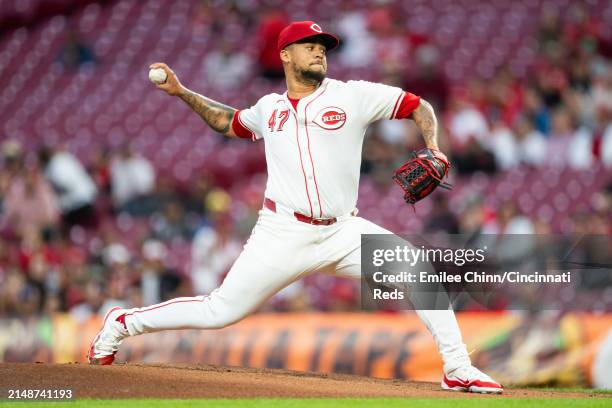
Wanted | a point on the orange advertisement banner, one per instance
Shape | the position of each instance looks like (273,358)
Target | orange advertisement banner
(379,345)
(546,349)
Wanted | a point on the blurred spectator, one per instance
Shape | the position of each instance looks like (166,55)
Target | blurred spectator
(120,276)
(522,145)
(358,44)
(93,298)
(12,154)
(227,67)
(377,154)
(504,97)
(474,158)
(441,218)
(504,146)
(566,145)
(530,144)
(213,251)
(99,168)
(427,78)
(157,282)
(580,75)
(398,133)
(11,165)
(603,202)
(468,130)
(28,202)
(466,123)
(581,29)
(132,178)
(75,52)
(391,48)
(473,217)
(271,24)
(222,15)
(550,29)
(551,80)
(198,189)
(40,274)
(509,221)
(17,297)
(606,147)
(116,253)
(602,90)
(536,110)
(171,223)
(74,187)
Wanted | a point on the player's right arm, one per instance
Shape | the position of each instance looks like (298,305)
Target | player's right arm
(217,115)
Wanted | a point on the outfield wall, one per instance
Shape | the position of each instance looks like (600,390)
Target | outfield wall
(514,348)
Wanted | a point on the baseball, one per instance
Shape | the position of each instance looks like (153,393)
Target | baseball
(157,75)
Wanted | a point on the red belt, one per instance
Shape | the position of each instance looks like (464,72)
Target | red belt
(271,205)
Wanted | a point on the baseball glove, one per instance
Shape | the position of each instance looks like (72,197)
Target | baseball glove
(421,174)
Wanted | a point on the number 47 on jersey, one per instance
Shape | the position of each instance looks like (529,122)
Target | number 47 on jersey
(281,118)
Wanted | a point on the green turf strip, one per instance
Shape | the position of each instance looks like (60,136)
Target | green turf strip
(581,390)
(321,402)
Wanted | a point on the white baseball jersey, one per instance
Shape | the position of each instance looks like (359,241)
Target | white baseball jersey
(313,152)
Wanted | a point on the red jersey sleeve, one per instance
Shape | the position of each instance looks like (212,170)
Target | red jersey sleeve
(240,128)
(404,106)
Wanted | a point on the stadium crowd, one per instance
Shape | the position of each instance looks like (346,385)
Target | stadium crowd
(82,233)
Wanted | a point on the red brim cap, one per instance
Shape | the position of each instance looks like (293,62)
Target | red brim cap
(301,30)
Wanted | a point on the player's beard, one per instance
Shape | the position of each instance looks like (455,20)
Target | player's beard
(309,76)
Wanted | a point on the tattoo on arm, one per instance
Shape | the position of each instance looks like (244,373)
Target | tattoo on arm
(426,121)
(216,115)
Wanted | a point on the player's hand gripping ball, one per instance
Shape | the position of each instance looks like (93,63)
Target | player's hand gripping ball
(421,174)
(157,75)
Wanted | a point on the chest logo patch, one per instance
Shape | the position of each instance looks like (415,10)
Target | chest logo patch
(330,118)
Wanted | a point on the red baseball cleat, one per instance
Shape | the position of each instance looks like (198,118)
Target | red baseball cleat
(470,379)
(106,343)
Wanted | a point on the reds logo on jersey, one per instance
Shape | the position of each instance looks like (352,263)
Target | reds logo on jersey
(330,118)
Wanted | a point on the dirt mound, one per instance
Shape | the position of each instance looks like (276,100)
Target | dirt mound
(203,381)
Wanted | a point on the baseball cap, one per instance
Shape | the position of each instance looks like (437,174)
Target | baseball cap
(300,30)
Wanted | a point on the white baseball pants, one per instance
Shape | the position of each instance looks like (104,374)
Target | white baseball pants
(280,251)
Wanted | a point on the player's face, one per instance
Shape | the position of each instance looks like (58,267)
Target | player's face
(308,60)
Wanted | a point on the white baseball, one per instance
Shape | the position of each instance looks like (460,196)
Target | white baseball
(157,75)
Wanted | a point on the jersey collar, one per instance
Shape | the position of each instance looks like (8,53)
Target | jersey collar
(303,101)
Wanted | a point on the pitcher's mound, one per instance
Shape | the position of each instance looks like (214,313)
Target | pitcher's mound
(203,381)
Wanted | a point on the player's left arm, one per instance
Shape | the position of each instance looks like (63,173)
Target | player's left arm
(425,119)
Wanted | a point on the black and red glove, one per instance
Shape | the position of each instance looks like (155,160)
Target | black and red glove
(421,174)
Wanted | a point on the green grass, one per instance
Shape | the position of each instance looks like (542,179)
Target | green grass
(582,390)
(322,402)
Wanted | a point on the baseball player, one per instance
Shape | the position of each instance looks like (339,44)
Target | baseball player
(313,136)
